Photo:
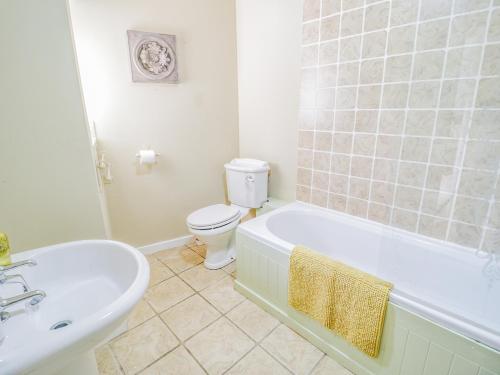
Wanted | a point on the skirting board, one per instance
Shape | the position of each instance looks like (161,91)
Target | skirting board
(163,245)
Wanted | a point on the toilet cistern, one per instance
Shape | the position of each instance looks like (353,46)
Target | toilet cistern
(215,225)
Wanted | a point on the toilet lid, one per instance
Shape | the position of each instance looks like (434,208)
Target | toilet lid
(213,215)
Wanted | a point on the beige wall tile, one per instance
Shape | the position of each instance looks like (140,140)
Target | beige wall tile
(420,122)
(303,194)
(322,161)
(311,9)
(485,125)
(359,188)
(470,210)
(361,166)
(344,121)
(463,62)
(452,123)
(403,11)
(374,44)
(319,198)
(323,141)
(458,93)
(306,139)
(376,16)
(433,9)
(351,22)
(408,198)
(489,93)
(412,174)
(345,98)
(384,170)
(437,203)
(307,119)
(320,180)
(342,143)
(372,71)
(327,76)
(382,192)
(350,48)
(309,55)
(329,28)
(494,30)
(348,74)
(388,146)
(328,52)
(392,122)
(366,121)
(475,183)
(395,95)
(424,94)
(369,96)
(337,202)
(432,227)
(340,163)
(491,241)
(442,178)
(468,29)
(310,32)
(482,155)
(349,4)
(445,151)
(401,39)
(329,7)
(364,144)
(491,62)
(357,207)
(428,65)
(380,213)
(398,68)
(495,216)
(462,6)
(339,183)
(464,234)
(305,158)
(406,220)
(432,34)
(416,149)
(324,118)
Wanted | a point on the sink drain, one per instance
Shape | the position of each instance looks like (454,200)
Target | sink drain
(61,324)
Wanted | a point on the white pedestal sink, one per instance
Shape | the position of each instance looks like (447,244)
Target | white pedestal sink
(91,284)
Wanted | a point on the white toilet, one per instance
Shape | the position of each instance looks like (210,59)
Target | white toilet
(216,225)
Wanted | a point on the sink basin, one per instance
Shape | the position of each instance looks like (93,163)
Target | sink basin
(91,286)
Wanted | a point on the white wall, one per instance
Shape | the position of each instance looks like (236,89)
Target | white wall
(193,124)
(48,187)
(269,38)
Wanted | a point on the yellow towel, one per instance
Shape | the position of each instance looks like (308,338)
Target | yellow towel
(350,302)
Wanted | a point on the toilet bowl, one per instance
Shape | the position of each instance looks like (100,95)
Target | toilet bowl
(216,225)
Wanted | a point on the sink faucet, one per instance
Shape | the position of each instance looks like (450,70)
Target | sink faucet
(36,297)
(7,278)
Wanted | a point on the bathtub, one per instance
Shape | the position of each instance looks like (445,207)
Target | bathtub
(444,310)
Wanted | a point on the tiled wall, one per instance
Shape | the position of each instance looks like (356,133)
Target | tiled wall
(400,114)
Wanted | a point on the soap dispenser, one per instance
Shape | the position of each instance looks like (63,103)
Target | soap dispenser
(4,250)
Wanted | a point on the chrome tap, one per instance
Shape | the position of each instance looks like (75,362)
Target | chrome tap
(28,262)
(35,297)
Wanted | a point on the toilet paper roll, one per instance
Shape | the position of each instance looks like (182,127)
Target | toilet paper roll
(147,157)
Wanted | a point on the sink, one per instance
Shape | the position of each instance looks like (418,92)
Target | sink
(90,287)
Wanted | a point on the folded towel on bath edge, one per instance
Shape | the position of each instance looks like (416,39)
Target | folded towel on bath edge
(348,301)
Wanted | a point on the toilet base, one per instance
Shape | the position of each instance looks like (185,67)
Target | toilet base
(220,249)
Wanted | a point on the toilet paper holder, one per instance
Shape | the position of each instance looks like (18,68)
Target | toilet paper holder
(147,156)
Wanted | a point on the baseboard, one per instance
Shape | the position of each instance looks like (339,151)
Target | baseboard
(163,245)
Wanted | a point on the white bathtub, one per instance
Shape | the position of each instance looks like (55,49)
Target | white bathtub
(449,285)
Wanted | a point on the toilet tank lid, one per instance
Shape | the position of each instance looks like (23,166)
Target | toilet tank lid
(247,165)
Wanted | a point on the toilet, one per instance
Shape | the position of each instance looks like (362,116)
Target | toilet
(215,225)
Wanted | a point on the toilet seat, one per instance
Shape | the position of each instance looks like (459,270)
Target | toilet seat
(213,217)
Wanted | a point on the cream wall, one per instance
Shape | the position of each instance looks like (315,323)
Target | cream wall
(269,37)
(48,187)
(193,124)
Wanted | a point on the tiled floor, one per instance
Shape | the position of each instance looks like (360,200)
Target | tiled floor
(192,321)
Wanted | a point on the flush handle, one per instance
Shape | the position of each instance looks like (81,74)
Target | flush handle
(250,178)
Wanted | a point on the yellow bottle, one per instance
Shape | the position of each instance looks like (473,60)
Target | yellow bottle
(4,250)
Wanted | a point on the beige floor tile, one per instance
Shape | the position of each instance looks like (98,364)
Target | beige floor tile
(178,362)
(179,259)
(141,312)
(258,362)
(143,345)
(256,322)
(292,350)
(222,294)
(199,249)
(158,271)
(106,363)
(200,277)
(230,269)
(167,294)
(328,366)
(219,346)
(189,316)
